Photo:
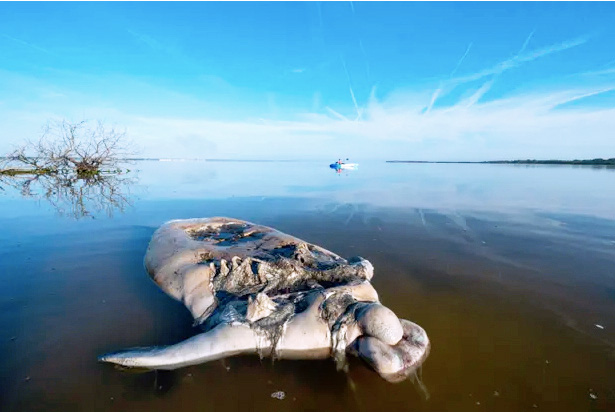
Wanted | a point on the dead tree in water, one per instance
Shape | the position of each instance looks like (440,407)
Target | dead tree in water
(66,147)
(74,166)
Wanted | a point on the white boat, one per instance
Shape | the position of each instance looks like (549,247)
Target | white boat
(345,166)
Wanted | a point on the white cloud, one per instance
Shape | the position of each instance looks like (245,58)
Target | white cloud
(517,127)
(527,125)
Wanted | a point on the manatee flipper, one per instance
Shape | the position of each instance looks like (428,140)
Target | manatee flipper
(223,341)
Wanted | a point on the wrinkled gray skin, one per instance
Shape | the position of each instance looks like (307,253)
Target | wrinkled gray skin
(255,290)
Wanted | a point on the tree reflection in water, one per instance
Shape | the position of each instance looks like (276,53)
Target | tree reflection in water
(76,195)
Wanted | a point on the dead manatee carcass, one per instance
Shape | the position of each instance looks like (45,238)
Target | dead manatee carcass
(255,290)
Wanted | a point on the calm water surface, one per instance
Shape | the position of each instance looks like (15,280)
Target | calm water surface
(510,269)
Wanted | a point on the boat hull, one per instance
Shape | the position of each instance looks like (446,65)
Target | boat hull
(344,166)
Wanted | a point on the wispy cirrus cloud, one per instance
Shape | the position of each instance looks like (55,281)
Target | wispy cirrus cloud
(526,42)
(439,89)
(527,125)
(601,72)
(461,60)
(150,42)
(478,94)
(521,58)
(517,60)
(352,95)
(28,44)
(337,114)
(582,95)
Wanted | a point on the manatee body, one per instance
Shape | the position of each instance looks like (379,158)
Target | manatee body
(255,290)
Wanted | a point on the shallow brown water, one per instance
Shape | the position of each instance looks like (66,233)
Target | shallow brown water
(509,290)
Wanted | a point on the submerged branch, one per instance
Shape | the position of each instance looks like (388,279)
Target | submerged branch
(21,172)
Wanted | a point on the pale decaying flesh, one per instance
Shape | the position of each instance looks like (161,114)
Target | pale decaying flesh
(255,290)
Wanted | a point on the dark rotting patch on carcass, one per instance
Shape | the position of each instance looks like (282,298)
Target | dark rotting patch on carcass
(335,306)
(349,281)
(272,326)
(228,309)
(269,272)
(224,232)
(254,265)
(281,315)
(339,328)
(233,239)
(286,251)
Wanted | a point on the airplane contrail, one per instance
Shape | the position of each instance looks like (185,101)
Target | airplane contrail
(354,100)
(437,92)
(526,42)
(25,43)
(461,60)
(337,114)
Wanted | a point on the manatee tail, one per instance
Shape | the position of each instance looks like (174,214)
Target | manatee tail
(220,342)
(394,362)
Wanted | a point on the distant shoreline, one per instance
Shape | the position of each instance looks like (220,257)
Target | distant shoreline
(171,159)
(586,162)
(591,162)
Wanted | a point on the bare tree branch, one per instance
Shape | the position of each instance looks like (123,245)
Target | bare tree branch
(74,166)
(85,147)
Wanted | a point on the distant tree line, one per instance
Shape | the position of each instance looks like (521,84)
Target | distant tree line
(598,161)
(587,162)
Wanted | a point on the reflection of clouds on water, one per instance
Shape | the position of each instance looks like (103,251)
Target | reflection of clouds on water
(76,196)
(448,188)
(457,190)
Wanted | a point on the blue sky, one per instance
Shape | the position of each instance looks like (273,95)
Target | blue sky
(439,81)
